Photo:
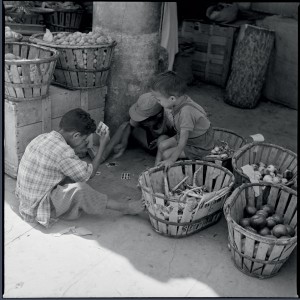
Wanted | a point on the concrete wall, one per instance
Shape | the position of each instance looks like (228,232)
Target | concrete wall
(282,77)
(287,9)
(135,27)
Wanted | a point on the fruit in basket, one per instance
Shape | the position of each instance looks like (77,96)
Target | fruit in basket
(277,218)
(258,222)
(267,178)
(249,211)
(262,212)
(268,208)
(48,36)
(271,222)
(264,231)
(288,174)
(245,222)
(10,34)
(279,230)
(291,230)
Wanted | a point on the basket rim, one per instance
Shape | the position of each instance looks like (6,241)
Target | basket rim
(184,162)
(33,61)
(230,131)
(80,10)
(233,198)
(240,151)
(34,39)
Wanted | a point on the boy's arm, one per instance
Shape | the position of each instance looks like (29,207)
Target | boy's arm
(184,135)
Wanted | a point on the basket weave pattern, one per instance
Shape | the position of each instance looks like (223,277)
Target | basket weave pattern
(253,254)
(256,152)
(80,67)
(179,217)
(28,78)
(64,20)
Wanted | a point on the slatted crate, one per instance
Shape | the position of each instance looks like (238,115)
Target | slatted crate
(27,119)
(213,50)
(253,254)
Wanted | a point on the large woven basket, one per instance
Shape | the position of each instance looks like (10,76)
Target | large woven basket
(80,67)
(256,255)
(64,20)
(28,78)
(234,141)
(176,216)
(256,152)
(26,18)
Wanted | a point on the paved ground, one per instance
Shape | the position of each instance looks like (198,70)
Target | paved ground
(124,257)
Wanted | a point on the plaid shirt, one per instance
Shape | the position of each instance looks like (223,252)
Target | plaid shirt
(47,160)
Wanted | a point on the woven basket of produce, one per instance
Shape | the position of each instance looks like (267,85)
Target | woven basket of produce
(64,19)
(28,70)
(187,198)
(84,59)
(264,162)
(226,143)
(262,227)
(12,36)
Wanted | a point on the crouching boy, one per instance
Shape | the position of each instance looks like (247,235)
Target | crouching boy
(49,160)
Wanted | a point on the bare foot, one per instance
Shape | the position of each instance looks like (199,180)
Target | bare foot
(134,207)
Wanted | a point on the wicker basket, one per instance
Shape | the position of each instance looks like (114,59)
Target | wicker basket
(256,152)
(256,255)
(28,79)
(176,216)
(73,71)
(234,141)
(64,20)
(24,18)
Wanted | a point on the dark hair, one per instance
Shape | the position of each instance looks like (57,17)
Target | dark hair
(169,84)
(79,120)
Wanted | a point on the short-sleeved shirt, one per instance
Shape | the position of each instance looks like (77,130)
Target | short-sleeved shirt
(190,116)
(47,160)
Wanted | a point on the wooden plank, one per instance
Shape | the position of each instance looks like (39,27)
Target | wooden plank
(238,244)
(284,196)
(80,64)
(90,65)
(199,175)
(186,216)
(274,256)
(272,200)
(261,254)
(16,79)
(84,100)
(97,97)
(10,90)
(249,251)
(287,162)
(173,217)
(259,198)
(293,222)
(71,64)
(175,175)
(157,182)
(265,154)
(246,157)
(290,210)
(162,226)
(208,178)
(280,159)
(271,157)
(26,79)
(189,173)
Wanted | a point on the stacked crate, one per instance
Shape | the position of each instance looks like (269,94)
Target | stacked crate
(213,50)
(25,120)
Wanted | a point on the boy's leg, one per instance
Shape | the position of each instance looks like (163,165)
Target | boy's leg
(71,200)
(164,145)
(167,153)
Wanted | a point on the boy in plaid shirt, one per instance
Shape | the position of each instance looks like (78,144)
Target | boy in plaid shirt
(49,160)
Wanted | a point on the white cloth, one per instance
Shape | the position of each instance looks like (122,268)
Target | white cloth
(169,31)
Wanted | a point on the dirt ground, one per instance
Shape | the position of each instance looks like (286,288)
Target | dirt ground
(124,257)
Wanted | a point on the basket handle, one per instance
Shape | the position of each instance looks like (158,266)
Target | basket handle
(227,204)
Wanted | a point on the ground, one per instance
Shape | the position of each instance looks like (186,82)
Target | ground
(124,257)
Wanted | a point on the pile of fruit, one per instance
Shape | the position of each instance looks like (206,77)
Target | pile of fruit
(61,5)
(221,151)
(97,37)
(266,222)
(270,173)
(12,35)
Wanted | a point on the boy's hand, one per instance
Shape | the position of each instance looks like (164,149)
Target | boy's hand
(104,137)
(166,163)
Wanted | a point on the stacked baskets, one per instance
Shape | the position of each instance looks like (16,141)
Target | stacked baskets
(256,255)
(80,67)
(181,215)
(64,19)
(29,77)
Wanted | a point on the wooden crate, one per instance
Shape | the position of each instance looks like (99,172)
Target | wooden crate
(181,215)
(213,50)
(253,254)
(25,120)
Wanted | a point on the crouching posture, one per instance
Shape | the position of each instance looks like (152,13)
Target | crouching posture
(194,137)
(50,161)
